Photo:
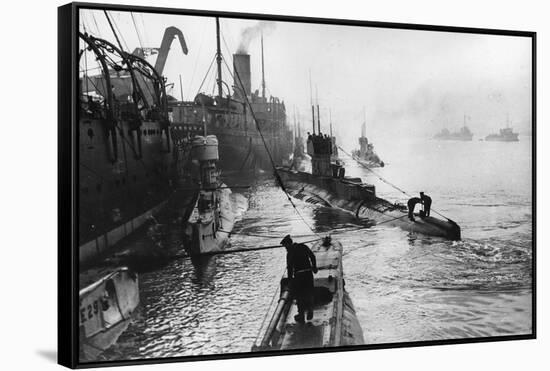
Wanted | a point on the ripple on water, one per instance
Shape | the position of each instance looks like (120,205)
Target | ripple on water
(405,287)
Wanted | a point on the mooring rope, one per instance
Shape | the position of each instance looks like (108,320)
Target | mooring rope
(231,251)
(387,182)
(277,176)
(240,233)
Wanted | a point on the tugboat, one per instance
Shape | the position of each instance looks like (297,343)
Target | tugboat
(464,134)
(505,135)
(365,154)
(328,186)
(107,300)
(334,320)
(213,217)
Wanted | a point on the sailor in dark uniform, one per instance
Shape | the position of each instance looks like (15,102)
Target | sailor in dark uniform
(411,204)
(301,264)
(427,202)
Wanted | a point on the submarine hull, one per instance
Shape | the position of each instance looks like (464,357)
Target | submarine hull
(107,299)
(351,195)
(207,233)
(334,320)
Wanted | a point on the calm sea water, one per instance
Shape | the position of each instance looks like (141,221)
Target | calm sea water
(405,287)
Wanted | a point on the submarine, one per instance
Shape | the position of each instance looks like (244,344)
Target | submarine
(334,320)
(365,154)
(107,299)
(327,185)
(208,228)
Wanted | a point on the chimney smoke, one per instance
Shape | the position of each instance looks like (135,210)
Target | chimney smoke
(250,33)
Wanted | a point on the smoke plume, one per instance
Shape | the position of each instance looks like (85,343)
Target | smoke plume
(250,33)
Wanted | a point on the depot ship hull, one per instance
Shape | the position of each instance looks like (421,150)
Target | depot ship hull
(119,193)
(130,160)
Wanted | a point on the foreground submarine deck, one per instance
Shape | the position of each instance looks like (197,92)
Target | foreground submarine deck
(334,321)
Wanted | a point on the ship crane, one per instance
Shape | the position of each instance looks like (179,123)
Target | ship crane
(169,35)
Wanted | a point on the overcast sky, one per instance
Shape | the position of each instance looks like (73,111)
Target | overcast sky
(407,82)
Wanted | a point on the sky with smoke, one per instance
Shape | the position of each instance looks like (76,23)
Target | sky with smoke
(402,82)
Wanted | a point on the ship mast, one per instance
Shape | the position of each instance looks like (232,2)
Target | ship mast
(364,126)
(311,103)
(330,121)
(294,136)
(219,57)
(181,89)
(263,74)
(318,114)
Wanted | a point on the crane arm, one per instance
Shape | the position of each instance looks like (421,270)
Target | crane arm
(167,39)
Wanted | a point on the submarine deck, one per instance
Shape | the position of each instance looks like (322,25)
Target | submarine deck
(334,322)
(321,330)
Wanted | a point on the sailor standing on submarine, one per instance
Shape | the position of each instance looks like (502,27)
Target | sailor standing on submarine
(426,202)
(301,264)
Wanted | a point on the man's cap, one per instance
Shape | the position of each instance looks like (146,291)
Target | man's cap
(286,240)
(421,193)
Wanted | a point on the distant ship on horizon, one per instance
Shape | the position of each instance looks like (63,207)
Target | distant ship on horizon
(464,134)
(505,134)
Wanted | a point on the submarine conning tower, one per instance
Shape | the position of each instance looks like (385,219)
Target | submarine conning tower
(363,146)
(319,147)
(204,152)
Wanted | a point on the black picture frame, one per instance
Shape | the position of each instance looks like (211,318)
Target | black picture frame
(68,200)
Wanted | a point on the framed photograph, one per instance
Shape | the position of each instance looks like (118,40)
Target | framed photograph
(243,185)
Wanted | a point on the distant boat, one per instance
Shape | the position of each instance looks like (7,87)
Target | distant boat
(505,134)
(464,134)
(365,154)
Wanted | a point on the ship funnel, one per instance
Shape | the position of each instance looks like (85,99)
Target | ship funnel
(241,70)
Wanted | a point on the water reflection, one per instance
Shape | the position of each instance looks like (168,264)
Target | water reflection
(204,268)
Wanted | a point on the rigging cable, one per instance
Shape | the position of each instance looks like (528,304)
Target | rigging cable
(121,35)
(206,75)
(95,22)
(277,176)
(387,182)
(137,32)
(197,60)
